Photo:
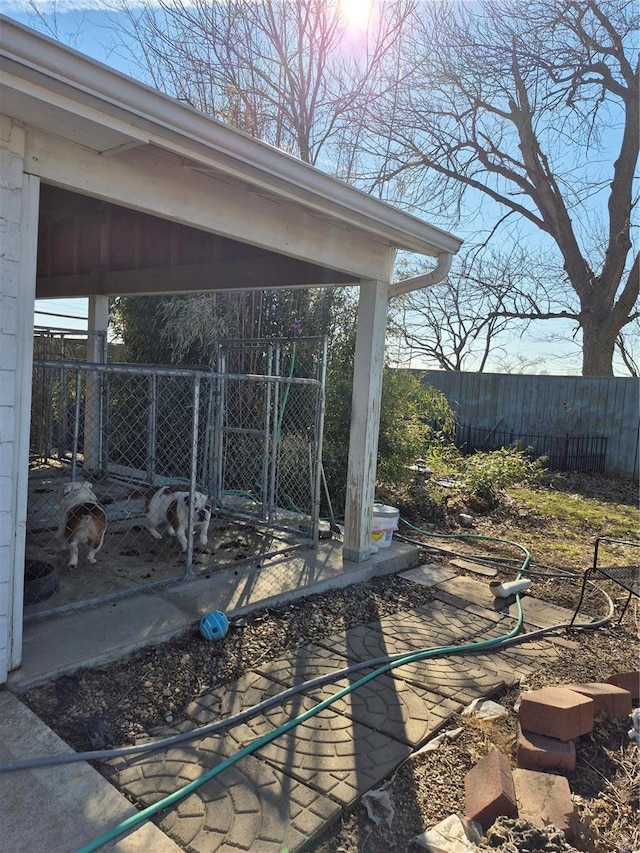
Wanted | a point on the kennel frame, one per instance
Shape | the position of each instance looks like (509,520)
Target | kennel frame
(210,433)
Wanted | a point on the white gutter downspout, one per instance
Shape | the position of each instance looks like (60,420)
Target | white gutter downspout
(418,282)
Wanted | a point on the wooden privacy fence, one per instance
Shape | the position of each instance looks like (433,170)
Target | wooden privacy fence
(559,407)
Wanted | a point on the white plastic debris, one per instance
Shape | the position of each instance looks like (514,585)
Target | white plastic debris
(634,733)
(378,806)
(486,709)
(507,588)
(436,742)
(454,834)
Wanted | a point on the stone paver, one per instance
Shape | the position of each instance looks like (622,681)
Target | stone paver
(544,799)
(405,711)
(538,752)
(463,588)
(428,575)
(542,614)
(537,614)
(291,788)
(612,702)
(627,681)
(329,752)
(556,712)
(462,678)
(249,806)
(489,790)
(432,626)
(476,568)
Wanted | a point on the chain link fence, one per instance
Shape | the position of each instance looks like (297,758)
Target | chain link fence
(69,344)
(197,470)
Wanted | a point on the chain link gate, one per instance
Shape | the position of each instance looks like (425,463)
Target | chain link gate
(234,451)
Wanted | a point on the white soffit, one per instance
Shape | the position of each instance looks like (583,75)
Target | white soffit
(58,90)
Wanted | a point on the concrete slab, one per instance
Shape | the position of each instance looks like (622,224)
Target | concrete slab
(85,638)
(93,637)
(284,579)
(62,807)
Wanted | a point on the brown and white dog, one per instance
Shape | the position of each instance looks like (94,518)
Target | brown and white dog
(169,505)
(82,521)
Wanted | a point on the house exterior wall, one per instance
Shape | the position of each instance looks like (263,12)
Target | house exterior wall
(18,240)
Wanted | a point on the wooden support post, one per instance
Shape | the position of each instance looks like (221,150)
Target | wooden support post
(365,419)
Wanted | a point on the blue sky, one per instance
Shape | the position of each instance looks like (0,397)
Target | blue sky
(89,26)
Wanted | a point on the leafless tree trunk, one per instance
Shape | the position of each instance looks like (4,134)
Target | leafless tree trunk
(522,102)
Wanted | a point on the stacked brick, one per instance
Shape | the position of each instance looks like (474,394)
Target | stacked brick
(550,721)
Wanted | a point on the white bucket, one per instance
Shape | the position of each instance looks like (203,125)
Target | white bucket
(384,520)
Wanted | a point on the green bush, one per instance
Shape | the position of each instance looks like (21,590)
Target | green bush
(484,476)
(413,418)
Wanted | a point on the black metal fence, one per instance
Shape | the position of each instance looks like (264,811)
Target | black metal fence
(561,452)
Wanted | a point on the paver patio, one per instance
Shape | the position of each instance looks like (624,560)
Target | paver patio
(292,788)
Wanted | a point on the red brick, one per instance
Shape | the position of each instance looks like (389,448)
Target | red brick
(545,799)
(628,681)
(538,752)
(556,712)
(488,790)
(609,700)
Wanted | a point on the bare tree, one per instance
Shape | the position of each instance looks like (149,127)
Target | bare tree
(290,73)
(460,324)
(628,348)
(524,102)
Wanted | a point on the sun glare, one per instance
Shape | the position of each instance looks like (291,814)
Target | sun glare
(356,13)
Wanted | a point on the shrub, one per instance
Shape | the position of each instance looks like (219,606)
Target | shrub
(484,476)
(413,418)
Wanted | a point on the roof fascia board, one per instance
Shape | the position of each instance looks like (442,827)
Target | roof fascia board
(168,121)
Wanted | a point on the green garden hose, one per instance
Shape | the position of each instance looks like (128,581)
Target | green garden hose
(178,795)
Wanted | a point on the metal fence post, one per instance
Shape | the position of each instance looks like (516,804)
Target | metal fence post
(275,443)
(192,481)
(76,430)
(152,421)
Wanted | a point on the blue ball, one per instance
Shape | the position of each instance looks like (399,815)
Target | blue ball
(214,625)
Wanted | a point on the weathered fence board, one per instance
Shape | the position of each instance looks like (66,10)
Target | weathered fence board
(550,405)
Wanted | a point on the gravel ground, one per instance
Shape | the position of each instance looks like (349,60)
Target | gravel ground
(116,704)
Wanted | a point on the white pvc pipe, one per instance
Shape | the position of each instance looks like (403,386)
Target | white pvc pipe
(504,590)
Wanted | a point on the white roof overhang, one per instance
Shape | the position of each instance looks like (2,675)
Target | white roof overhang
(82,103)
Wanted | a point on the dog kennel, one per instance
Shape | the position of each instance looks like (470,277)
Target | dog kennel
(247,432)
